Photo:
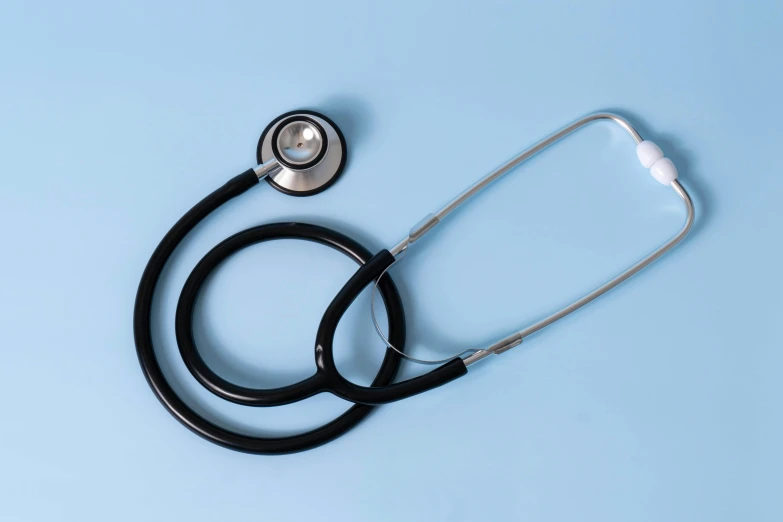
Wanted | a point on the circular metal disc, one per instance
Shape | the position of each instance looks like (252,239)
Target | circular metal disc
(308,181)
(299,142)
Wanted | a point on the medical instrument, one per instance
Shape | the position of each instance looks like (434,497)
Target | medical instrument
(300,153)
(293,156)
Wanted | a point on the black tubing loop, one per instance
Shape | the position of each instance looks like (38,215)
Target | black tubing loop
(163,390)
(324,347)
(275,231)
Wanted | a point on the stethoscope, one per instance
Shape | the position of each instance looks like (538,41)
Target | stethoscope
(302,153)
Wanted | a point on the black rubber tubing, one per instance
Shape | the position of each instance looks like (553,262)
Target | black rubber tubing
(327,377)
(163,391)
(318,382)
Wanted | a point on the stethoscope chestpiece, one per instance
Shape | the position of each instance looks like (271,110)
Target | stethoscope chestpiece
(310,151)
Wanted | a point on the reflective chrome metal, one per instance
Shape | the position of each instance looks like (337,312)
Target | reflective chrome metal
(267,167)
(308,179)
(516,160)
(299,142)
(516,338)
(416,232)
(478,355)
(496,348)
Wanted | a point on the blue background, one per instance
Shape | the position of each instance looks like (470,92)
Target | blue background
(660,401)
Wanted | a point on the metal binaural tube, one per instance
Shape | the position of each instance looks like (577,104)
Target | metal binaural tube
(508,165)
(520,335)
(535,149)
(514,339)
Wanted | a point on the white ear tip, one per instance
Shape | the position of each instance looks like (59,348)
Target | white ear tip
(648,153)
(664,171)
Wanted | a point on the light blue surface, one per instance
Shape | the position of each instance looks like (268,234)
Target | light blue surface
(659,402)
